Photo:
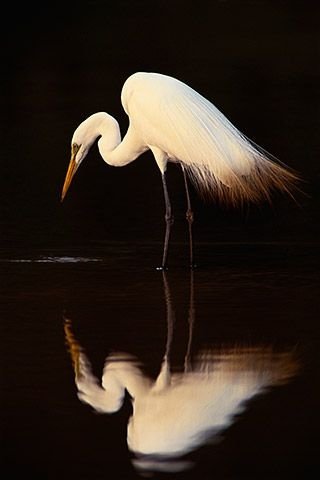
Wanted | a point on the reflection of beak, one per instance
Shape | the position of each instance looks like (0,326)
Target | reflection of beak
(73,166)
(74,347)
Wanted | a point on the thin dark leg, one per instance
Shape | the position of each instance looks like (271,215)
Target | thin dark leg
(189,217)
(169,221)
(164,377)
(191,318)
(170,314)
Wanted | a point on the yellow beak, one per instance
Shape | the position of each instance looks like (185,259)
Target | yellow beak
(72,168)
(74,347)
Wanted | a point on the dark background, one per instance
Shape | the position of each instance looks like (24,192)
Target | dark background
(258,281)
(257,61)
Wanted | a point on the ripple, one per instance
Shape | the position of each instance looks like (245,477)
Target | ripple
(62,259)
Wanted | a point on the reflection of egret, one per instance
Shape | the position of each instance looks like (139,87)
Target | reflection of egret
(179,411)
(179,125)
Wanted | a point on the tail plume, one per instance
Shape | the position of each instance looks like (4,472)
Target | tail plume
(265,176)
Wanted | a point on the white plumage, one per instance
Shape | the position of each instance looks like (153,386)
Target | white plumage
(181,411)
(178,124)
(187,128)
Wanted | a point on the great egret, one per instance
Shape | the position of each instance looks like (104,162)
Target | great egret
(179,125)
(179,411)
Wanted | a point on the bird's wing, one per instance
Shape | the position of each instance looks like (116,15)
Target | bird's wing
(219,158)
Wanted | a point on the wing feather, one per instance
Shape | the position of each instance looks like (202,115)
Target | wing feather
(220,160)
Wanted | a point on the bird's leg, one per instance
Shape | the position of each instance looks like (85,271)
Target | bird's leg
(164,377)
(191,318)
(169,221)
(170,314)
(189,217)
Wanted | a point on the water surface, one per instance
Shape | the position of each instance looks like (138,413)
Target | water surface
(254,321)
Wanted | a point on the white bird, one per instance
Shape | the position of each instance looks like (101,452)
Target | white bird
(179,125)
(178,412)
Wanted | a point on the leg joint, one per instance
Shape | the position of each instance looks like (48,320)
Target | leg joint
(169,218)
(190,216)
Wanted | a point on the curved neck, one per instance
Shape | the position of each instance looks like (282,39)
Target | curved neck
(109,131)
(114,151)
(127,376)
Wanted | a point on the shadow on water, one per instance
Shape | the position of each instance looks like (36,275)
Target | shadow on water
(185,407)
(197,371)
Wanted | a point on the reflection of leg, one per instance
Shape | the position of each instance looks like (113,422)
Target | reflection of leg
(169,221)
(191,319)
(189,216)
(164,376)
(170,314)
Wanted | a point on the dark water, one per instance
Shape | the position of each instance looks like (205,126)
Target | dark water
(239,337)
(262,316)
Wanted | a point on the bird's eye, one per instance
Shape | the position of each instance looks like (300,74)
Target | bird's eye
(74,149)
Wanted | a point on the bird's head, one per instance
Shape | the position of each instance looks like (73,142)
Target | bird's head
(82,139)
(77,155)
